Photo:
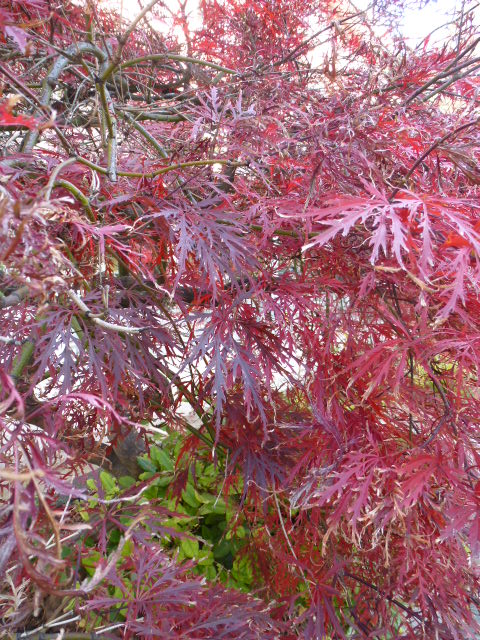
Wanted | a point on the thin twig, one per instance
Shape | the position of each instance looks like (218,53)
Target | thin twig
(408,610)
(171,56)
(78,195)
(449,70)
(289,544)
(431,148)
(14,298)
(102,323)
(122,40)
(158,172)
(51,80)
(148,137)
(42,108)
(335,23)
(55,173)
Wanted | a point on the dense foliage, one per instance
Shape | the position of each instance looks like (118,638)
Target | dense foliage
(240,346)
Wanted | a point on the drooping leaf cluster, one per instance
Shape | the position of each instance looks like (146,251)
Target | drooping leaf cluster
(255,225)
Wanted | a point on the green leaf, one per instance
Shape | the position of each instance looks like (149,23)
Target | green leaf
(90,562)
(164,481)
(204,498)
(126,482)
(205,558)
(161,459)
(222,549)
(211,572)
(115,537)
(189,547)
(83,513)
(189,496)
(216,519)
(127,549)
(109,483)
(242,570)
(208,533)
(217,506)
(147,465)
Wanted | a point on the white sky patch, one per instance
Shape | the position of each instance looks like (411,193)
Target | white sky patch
(191,10)
(435,18)
(130,8)
(415,25)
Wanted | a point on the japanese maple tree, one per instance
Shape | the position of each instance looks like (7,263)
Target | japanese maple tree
(268,213)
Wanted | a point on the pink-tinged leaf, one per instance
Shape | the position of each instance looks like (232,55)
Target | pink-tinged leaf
(379,241)
(13,399)
(399,236)
(458,267)
(342,214)
(426,258)
(18,35)
(8,119)
(335,392)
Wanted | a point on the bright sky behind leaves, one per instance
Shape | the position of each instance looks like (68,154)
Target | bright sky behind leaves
(416,24)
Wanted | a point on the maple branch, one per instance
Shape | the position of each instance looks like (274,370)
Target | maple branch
(463,53)
(102,323)
(452,80)
(43,502)
(148,137)
(52,77)
(450,69)
(443,74)
(150,115)
(122,40)
(133,25)
(397,312)
(23,360)
(431,148)
(399,604)
(49,85)
(78,195)
(177,58)
(435,431)
(115,63)
(108,111)
(447,415)
(54,175)
(289,544)
(14,298)
(159,172)
(193,402)
(334,24)
(26,92)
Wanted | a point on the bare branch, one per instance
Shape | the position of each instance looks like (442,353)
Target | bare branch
(102,323)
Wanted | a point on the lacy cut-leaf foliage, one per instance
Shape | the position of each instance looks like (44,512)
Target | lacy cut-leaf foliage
(257,228)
